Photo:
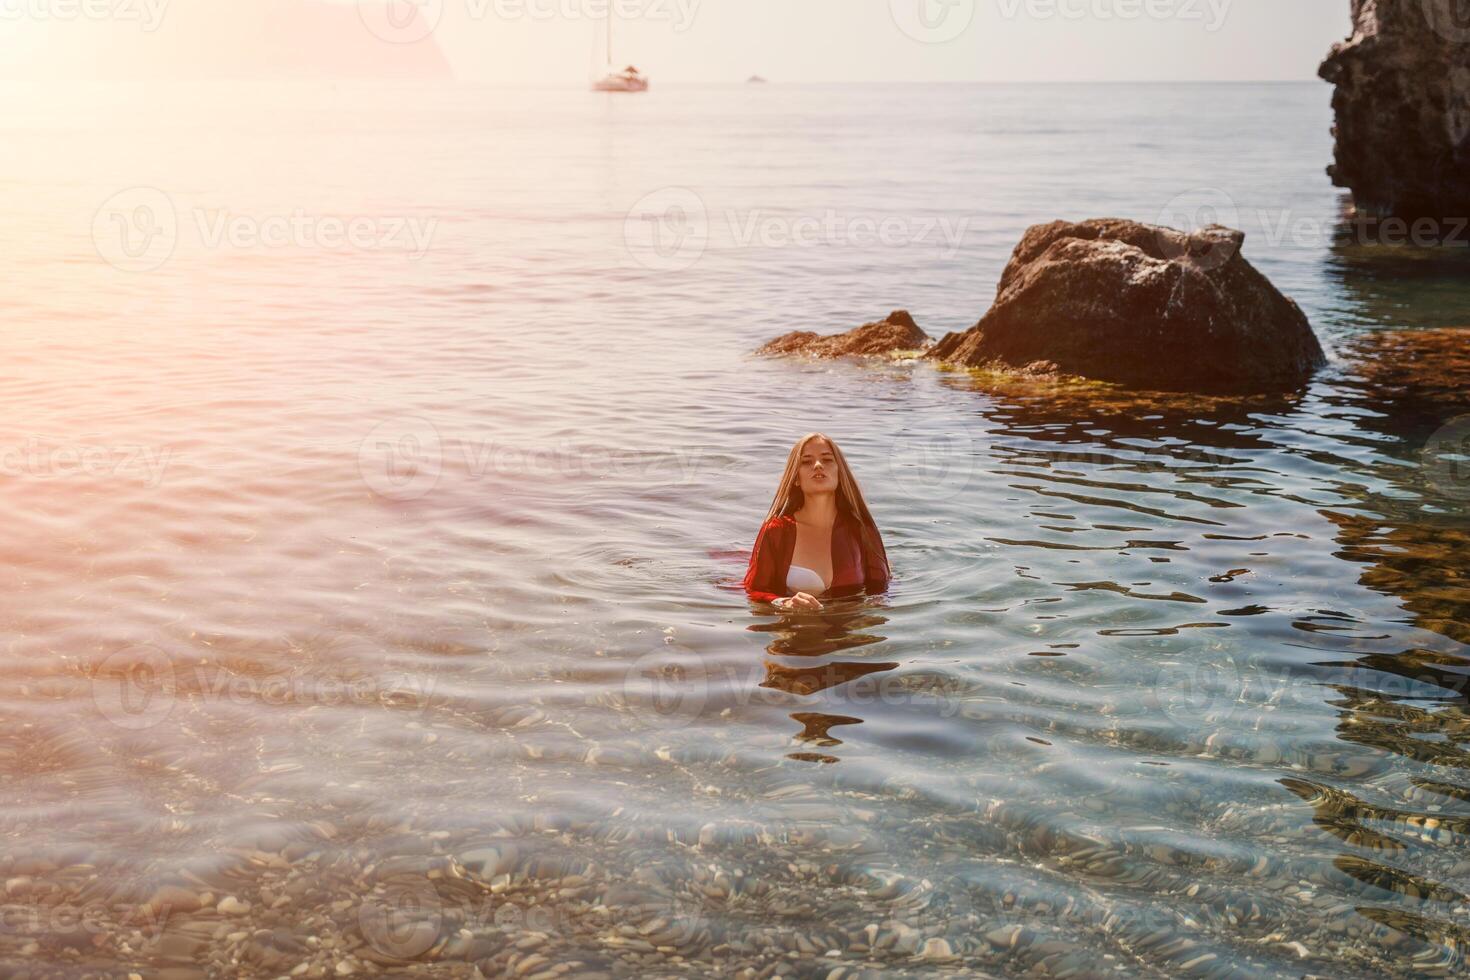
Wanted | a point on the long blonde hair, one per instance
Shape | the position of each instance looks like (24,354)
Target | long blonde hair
(789,498)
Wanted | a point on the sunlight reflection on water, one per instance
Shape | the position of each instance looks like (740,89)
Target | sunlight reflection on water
(384,606)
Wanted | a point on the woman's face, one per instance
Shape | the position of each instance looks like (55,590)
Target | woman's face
(818,468)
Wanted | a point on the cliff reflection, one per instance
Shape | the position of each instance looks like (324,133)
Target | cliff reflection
(1413,540)
(1389,281)
(1403,708)
(1409,536)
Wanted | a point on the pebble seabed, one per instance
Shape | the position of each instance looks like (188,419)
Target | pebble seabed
(812,895)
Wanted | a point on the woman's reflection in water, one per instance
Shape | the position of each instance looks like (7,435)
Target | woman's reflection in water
(801,662)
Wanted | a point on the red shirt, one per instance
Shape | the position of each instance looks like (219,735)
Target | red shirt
(859,562)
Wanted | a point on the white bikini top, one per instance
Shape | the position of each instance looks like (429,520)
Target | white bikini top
(799,579)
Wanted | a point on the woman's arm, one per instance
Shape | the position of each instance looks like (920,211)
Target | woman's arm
(762,577)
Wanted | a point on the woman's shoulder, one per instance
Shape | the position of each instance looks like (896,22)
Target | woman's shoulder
(779,522)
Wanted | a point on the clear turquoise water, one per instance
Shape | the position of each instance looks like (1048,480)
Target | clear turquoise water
(342,582)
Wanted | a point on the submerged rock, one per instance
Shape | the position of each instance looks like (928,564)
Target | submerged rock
(1402,102)
(1116,300)
(897,333)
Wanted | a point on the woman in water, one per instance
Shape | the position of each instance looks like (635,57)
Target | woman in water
(818,538)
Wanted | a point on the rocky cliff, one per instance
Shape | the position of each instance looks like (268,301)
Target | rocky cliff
(1403,108)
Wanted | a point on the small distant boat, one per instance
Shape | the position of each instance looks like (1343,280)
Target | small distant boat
(627,80)
(630,79)
(755,80)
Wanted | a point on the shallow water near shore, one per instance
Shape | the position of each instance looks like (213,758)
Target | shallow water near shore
(377,612)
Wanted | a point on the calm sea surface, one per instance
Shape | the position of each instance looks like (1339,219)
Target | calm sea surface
(379,465)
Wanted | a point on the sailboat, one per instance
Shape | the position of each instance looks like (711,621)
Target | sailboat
(630,79)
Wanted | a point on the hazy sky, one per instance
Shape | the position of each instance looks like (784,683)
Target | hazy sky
(865,40)
(541,42)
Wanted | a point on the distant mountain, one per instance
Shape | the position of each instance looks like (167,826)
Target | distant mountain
(258,39)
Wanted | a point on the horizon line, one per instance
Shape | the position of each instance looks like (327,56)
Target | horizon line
(367,79)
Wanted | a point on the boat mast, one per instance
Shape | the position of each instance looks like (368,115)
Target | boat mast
(609,35)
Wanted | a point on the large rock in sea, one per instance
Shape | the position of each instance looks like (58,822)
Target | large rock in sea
(1141,305)
(897,333)
(1403,109)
